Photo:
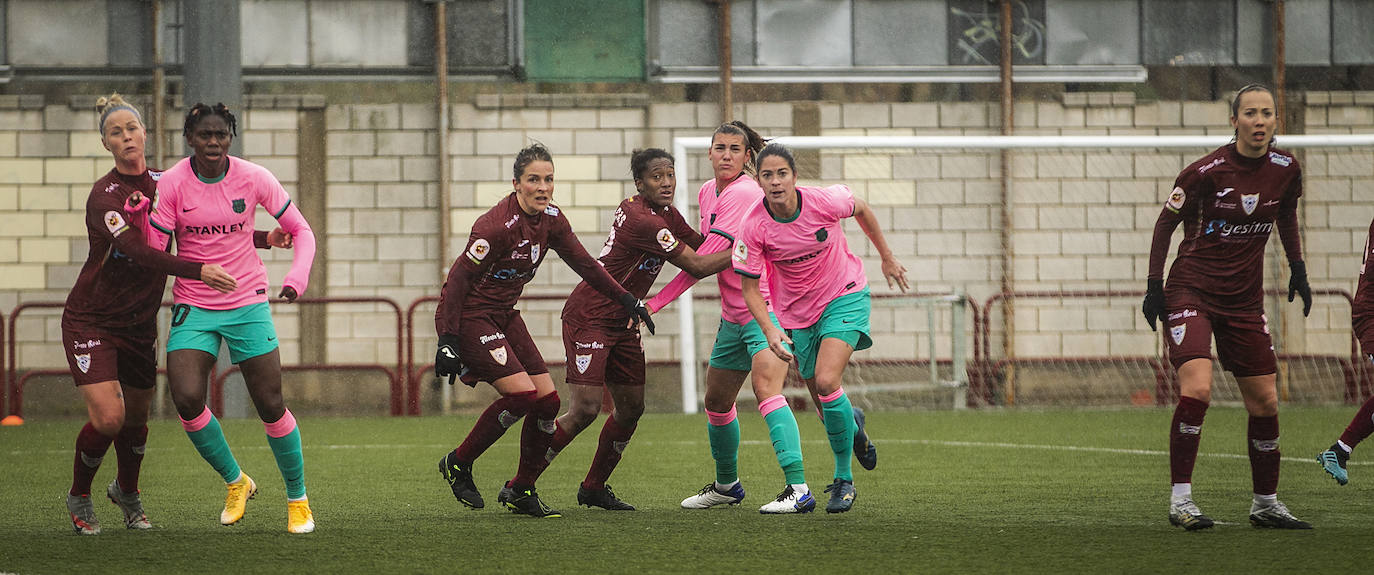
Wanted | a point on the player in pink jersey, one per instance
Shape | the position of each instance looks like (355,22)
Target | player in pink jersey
(1228,202)
(604,352)
(1362,319)
(483,338)
(207,203)
(818,289)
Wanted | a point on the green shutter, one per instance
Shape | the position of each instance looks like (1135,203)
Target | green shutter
(584,40)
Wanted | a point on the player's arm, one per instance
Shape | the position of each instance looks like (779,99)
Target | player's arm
(778,341)
(277,238)
(124,226)
(1287,224)
(1178,203)
(893,270)
(564,241)
(701,265)
(716,242)
(278,203)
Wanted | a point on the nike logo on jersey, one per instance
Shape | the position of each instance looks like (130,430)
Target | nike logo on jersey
(184,210)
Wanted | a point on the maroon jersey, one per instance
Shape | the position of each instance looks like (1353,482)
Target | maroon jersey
(122,281)
(1228,205)
(502,255)
(1362,311)
(641,240)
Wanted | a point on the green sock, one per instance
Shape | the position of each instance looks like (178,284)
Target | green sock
(287,450)
(725,450)
(782,429)
(839,425)
(209,441)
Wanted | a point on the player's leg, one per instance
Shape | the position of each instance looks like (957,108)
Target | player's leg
(827,371)
(1189,337)
(767,377)
(586,355)
(262,375)
(105,408)
(1334,459)
(138,379)
(540,422)
(729,365)
(625,379)
(188,371)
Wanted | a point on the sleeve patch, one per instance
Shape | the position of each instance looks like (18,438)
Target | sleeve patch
(478,250)
(741,255)
(666,240)
(1176,198)
(114,221)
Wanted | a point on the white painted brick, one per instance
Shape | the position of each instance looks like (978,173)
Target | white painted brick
(761,115)
(920,165)
(597,142)
(401,248)
(1063,319)
(580,167)
(1083,243)
(984,192)
(352,248)
(964,218)
(1038,345)
(1029,243)
(915,115)
(964,269)
(1360,163)
(1112,268)
(351,196)
(937,192)
(1132,242)
(933,243)
(392,143)
(27,120)
(963,114)
(9,250)
(1054,115)
(1052,165)
(1062,217)
(43,198)
(43,250)
(525,119)
(339,221)
(380,222)
(1132,342)
(1201,114)
(1137,192)
(420,221)
(867,166)
(682,115)
(468,117)
(1332,241)
(65,224)
(1084,192)
(375,116)
(338,170)
(891,193)
(377,169)
(480,168)
(557,141)
(419,169)
(1313,117)
(1061,268)
(400,195)
(500,142)
(1110,217)
(1349,116)
(1108,165)
(964,166)
(1109,117)
(284,169)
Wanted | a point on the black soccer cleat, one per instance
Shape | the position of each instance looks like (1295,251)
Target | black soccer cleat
(864,450)
(459,477)
(524,501)
(603,498)
(842,495)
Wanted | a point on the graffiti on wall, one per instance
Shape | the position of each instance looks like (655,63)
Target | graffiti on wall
(975,32)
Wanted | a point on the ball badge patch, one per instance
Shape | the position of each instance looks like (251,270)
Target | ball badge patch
(114,222)
(478,250)
(666,240)
(1176,198)
(741,255)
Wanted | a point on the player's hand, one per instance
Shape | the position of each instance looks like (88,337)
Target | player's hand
(279,238)
(446,361)
(214,276)
(638,313)
(135,203)
(1297,283)
(288,293)
(779,343)
(895,273)
(1153,307)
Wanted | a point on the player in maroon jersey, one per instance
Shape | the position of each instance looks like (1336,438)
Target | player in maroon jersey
(109,323)
(482,338)
(1228,202)
(603,351)
(1362,319)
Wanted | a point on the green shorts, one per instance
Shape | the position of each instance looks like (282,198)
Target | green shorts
(736,344)
(845,319)
(248,330)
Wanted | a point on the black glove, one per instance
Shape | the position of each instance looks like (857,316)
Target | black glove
(1297,283)
(446,361)
(1153,307)
(638,313)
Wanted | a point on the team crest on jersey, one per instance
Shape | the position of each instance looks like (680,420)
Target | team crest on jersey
(1248,203)
(499,354)
(582,362)
(534,253)
(1176,198)
(741,255)
(666,240)
(478,250)
(239,206)
(821,234)
(115,223)
(83,362)
(1177,332)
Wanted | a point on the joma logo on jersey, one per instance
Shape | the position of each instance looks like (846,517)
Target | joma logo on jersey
(239,206)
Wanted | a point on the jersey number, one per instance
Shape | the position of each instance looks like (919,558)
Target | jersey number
(179,313)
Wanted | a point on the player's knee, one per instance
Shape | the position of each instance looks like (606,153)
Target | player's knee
(826,384)
(628,415)
(108,422)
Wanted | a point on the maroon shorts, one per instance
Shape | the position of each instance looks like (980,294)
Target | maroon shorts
(598,355)
(496,344)
(127,355)
(1243,344)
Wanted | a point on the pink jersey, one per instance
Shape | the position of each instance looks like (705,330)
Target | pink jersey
(725,213)
(213,222)
(807,255)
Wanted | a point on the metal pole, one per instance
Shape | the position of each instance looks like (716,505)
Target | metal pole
(1280,63)
(1008,252)
(159,94)
(445,207)
(686,319)
(727,89)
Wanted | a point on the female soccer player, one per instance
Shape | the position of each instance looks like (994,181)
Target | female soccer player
(818,290)
(109,324)
(603,351)
(1229,201)
(207,203)
(740,348)
(483,338)
(1362,319)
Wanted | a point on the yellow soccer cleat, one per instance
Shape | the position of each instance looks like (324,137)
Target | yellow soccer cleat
(237,500)
(299,519)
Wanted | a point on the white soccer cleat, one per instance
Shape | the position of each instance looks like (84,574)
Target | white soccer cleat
(789,501)
(708,497)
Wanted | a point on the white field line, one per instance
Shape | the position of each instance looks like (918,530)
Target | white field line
(702,443)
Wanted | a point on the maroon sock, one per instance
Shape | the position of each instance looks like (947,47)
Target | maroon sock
(1184,434)
(1360,427)
(129,445)
(561,438)
(493,423)
(609,448)
(1263,434)
(90,450)
(535,439)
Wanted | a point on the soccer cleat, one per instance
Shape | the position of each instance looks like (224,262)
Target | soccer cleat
(789,501)
(1275,516)
(299,519)
(1333,461)
(459,478)
(527,502)
(505,494)
(708,497)
(130,504)
(603,498)
(864,450)
(236,501)
(83,514)
(842,496)
(1184,513)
